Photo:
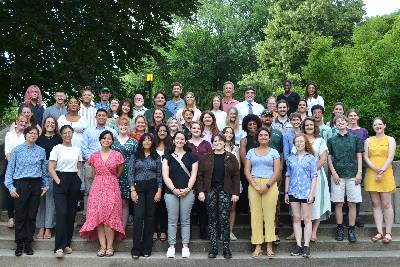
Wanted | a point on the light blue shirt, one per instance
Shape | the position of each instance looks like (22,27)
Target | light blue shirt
(288,143)
(54,111)
(262,166)
(26,162)
(100,105)
(301,173)
(90,140)
(172,106)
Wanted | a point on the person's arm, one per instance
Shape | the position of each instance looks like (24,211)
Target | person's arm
(200,181)
(235,181)
(120,170)
(366,157)
(287,181)
(359,168)
(8,179)
(286,146)
(321,101)
(157,196)
(322,159)
(391,153)
(247,174)
(52,171)
(313,174)
(335,176)
(242,150)
(277,170)
(85,144)
(45,177)
(193,175)
(167,180)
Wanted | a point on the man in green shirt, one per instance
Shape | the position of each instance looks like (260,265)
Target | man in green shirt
(345,164)
(276,136)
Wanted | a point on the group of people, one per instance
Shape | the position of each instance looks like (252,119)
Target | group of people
(174,162)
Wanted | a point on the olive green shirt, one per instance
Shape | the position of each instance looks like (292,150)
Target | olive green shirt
(276,140)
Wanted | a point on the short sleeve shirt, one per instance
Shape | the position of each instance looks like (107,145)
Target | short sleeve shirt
(177,175)
(67,157)
(276,141)
(301,172)
(262,166)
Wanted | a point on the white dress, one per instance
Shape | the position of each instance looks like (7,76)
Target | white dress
(78,126)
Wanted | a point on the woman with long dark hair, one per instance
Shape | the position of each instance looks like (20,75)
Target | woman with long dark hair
(125,109)
(146,183)
(209,124)
(312,97)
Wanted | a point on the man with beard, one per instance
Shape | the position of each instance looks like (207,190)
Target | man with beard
(292,98)
(176,103)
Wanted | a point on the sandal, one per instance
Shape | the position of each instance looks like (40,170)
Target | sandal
(47,234)
(109,252)
(377,237)
(163,237)
(270,252)
(101,252)
(155,236)
(313,239)
(386,239)
(40,234)
(257,251)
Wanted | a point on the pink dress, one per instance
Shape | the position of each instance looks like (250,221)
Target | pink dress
(104,201)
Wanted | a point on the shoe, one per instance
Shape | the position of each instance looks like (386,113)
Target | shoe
(28,248)
(352,235)
(270,251)
(291,237)
(212,255)
(171,252)
(232,237)
(227,254)
(19,249)
(339,233)
(306,252)
(297,251)
(40,234)
(67,250)
(359,224)
(257,251)
(185,252)
(146,255)
(59,253)
(109,252)
(203,233)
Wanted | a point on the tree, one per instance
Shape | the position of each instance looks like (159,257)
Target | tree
(73,43)
(294,26)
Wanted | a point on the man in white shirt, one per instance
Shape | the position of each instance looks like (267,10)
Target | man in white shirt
(138,106)
(87,110)
(282,122)
(249,106)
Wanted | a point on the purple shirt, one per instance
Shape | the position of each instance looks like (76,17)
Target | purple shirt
(201,149)
(361,133)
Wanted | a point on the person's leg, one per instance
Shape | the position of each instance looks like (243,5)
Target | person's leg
(257,234)
(352,213)
(339,212)
(40,217)
(21,211)
(315,226)
(185,208)
(377,210)
(102,236)
(32,206)
(269,201)
(125,212)
(296,220)
(232,216)
(109,232)
(224,206)
(49,219)
(72,202)
(212,209)
(60,201)
(306,212)
(163,218)
(140,208)
(148,227)
(172,204)
(388,215)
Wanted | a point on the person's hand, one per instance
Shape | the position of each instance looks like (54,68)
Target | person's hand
(286,198)
(44,191)
(202,197)
(357,180)
(157,196)
(379,177)
(263,189)
(235,198)
(336,178)
(57,181)
(176,192)
(134,196)
(310,198)
(14,193)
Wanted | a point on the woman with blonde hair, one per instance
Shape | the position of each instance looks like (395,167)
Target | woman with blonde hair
(232,120)
(190,103)
(219,113)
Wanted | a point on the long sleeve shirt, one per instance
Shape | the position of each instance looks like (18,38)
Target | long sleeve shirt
(90,140)
(26,162)
(145,170)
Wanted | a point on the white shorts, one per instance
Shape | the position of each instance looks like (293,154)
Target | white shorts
(348,187)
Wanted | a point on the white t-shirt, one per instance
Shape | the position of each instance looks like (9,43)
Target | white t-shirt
(12,140)
(220,117)
(67,157)
(78,126)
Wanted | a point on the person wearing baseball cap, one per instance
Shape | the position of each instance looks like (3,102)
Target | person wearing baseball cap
(104,103)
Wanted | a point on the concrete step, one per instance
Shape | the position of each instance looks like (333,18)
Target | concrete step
(88,259)
(324,243)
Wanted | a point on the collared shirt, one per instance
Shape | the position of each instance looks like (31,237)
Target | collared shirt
(226,105)
(173,106)
(89,113)
(12,140)
(243,109)
(283,127)
(325,132)
(149,115)
(288,143)
(301,172)
(343,150)
(138,111)
(144,170)
(90,140)
(54,111)
(102,105)
(276,141)
(26,162)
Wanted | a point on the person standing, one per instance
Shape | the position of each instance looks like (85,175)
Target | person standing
(127,147)
(64,167)
(261,168)
(302,109)
(58,108)
(219,179)
(313,98)
(338,109)
(146,184)
(159,101)
(220,115)
(34,100)
(379,179)
(104,103)
(325,131)
(228,101)
(174,126)
(209,125)
(45,219)
(112,111)
(26,181)
(104,210)
(271,105)
(345,164)
(249,106)
(138,106)
(295,121)
(176,103)
(179,195)
(87,109)
(300,185)
(190,103)
(276,141)
(141,127)
(282,121)
(232,120)
(125,109)
(292,98)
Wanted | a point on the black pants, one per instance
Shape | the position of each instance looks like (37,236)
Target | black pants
(66,196)
(218,206)
(143,223)
(161,220)
(26,207)
(9,201)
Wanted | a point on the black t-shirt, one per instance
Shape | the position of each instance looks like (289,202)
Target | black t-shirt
(218,171)
(293,100)
(177,175)
(48,142)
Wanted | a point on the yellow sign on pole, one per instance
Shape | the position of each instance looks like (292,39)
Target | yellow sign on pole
(149,77)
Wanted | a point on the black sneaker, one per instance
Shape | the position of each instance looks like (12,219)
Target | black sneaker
(297,251)
(19,249)
(212,255)
(359,224)
(339,233)
(352,235)
(306,252)
(28,248)
(227,254)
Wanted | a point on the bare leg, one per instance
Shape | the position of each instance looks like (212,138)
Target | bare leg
(339,212)
(315,226)
(232,216)
(377,210)
(296,219)
(102,236)
(352,213)
(109,236)
(125,212)
(386,199)
(306,211)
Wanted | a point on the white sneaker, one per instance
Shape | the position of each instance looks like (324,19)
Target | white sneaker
(185,252)
(171,252)
(232,237)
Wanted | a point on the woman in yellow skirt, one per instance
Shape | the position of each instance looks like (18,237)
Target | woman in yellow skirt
(379,178)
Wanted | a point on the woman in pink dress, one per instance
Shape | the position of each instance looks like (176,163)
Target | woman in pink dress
(104,212)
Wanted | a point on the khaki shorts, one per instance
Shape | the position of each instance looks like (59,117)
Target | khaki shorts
(346,187)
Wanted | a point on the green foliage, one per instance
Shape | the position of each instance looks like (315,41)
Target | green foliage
(364,75)
(70,44)
(291,31)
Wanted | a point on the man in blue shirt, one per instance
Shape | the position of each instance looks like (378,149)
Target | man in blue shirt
(104,103)
(176,102)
